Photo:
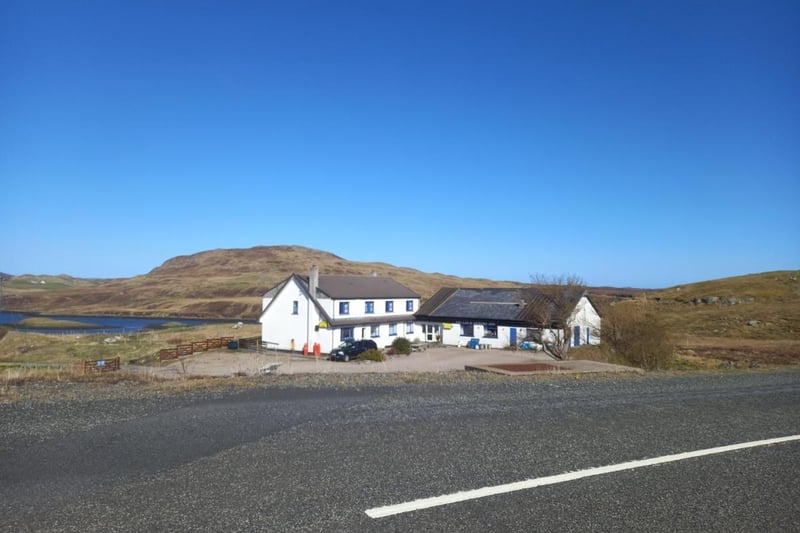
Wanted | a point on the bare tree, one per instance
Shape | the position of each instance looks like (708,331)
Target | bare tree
(550,308)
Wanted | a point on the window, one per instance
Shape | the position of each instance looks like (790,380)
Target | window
(344,309)
(409,328)
(409,305)
(490,331)
(392,329)
(369,307)
(467,330)
(295,307)
(389,306)
(374,331)
(347,334)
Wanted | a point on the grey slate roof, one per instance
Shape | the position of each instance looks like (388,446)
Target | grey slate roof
(344,287)
(476,304)
(503,305)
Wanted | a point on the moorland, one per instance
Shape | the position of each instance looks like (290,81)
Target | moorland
(739,321)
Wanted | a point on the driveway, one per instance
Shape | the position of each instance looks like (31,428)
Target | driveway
(444,359)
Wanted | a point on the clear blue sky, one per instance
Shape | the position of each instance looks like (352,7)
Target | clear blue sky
(635,143)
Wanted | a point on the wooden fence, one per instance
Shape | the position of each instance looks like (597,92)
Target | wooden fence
(193,347)
(101,365)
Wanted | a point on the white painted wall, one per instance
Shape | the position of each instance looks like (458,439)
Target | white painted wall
(358,306)
(279,326)
(453,336)
(585,316)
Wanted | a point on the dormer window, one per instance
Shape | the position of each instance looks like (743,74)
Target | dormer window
(390,306)
(410,305)
(369,307)
(344,308)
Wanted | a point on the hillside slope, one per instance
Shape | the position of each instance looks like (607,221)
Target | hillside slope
(217,283)
(753,319)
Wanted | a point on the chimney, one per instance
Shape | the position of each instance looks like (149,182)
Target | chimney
(313,281)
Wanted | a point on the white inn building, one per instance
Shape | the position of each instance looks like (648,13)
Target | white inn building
(326,310)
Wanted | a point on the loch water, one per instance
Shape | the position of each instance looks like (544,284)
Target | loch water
(117,325)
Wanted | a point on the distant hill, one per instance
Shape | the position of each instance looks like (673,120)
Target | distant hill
(217,283)
(756,306)
(744,319)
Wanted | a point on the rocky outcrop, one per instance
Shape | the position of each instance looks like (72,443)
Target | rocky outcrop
(731,300)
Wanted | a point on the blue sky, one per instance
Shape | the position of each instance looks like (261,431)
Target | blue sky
(642,144)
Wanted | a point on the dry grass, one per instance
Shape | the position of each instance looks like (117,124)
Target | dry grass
(740,351)
(54,385)
(754,319)
(17,376)
(587,352)
(40,322)
(140,347)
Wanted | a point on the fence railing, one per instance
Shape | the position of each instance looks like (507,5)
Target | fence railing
(193,347)
(101,365)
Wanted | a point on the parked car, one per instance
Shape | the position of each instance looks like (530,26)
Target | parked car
(351,349)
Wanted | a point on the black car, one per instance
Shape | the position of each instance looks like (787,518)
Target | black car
(350,349)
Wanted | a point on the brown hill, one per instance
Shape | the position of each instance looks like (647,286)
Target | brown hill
(217,283)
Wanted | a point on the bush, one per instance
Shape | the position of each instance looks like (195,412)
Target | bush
(371,355)
(401,345)
(634,335)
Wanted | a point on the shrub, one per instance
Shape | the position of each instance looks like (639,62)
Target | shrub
(401,345)
(371,355)
(634,335)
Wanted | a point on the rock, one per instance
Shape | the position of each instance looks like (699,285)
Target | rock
(753,323)
(710,299)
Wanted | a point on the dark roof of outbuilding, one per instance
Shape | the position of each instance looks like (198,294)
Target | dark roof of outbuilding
(432,303)
(475,304)
(514,305)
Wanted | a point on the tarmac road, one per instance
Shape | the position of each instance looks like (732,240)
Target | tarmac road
(294,459)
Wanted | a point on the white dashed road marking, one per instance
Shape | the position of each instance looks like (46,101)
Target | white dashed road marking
(425,503)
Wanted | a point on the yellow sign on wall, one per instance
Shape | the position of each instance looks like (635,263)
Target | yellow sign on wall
(447,326)
(323,324)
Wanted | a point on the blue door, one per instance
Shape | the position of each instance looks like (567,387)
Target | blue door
(513,336)
(576,336)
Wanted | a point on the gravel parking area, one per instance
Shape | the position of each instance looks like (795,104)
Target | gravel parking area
(442,359)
